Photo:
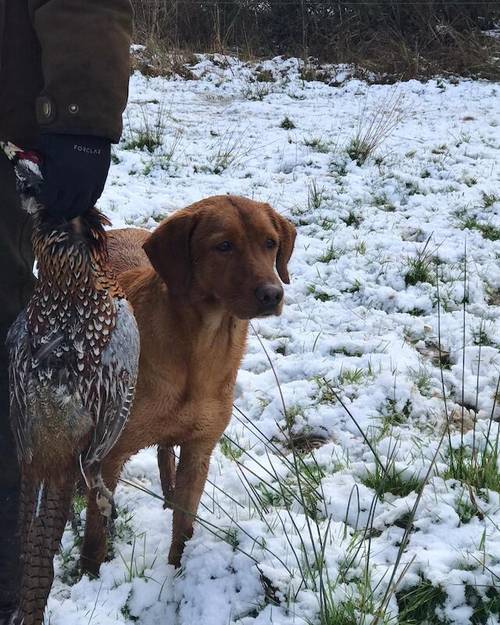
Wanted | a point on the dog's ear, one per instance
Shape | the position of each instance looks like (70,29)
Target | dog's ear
(168,250)
(287,234)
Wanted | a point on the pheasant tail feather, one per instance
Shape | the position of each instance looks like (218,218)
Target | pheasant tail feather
(44,512)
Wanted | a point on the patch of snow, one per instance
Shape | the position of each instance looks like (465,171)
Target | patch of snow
(349,308)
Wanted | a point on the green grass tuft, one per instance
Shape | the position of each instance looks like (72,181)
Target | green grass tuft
(287,124)
(392,415)
(351,376)
(317,294)
(149,133)
(358,150)
(422,379)
(352,219)
(256,92)
(485,604)
(229,449)
(340,613)
(466,510)
(331,253)
(418,605)
(317,145)
(477,469)
(489,199)
(391,481)
(315,195)
(488,231)
(420,268)
(480,336)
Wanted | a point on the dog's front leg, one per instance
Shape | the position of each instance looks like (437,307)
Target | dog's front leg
(190,480)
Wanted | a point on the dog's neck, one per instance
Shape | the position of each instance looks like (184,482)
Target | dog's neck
(199,325)
(210,319)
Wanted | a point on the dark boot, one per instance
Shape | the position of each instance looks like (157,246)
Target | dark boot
(16,284)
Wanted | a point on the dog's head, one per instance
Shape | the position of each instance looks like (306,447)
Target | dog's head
(225,250)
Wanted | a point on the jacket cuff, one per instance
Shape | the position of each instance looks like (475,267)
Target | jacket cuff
(67,116)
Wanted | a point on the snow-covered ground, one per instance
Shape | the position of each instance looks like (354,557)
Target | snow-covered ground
(356,353)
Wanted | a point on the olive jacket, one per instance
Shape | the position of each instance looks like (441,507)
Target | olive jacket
(64,67)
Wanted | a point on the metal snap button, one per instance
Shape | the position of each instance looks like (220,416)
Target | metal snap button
(73,109)
(46,108)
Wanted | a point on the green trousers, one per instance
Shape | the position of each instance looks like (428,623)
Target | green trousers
(16,285)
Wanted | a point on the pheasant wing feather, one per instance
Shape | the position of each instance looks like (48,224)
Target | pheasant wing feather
(18,345)
(116,385)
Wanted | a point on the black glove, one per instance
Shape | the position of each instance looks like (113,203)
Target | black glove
(74,170)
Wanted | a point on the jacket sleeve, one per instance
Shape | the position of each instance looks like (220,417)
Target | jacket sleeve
(85,55)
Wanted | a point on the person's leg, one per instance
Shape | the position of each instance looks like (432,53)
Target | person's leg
(16,284)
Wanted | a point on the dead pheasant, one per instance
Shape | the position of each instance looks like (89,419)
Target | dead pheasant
(73,366)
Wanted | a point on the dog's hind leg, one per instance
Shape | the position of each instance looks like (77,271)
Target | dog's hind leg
(94,548)
(166,464)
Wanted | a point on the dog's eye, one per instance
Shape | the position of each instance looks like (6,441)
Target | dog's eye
(270,243)
(225,246)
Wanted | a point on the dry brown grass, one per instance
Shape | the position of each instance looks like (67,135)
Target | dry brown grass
(386,38)
(158,59)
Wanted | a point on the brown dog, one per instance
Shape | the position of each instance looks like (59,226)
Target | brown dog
(213,269)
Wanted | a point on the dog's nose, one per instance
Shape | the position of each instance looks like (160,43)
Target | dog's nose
(269,295)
